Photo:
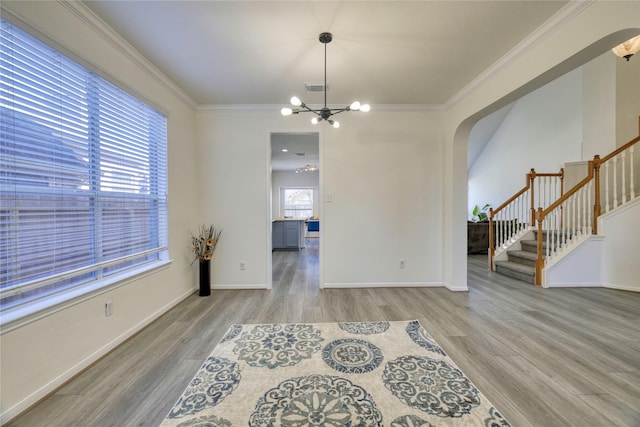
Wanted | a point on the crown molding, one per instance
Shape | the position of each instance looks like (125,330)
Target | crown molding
(277,107)
(567,13)
(88,17)
(239,107)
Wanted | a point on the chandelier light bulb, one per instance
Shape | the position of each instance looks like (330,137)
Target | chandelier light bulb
(336,124)
(296,101)
(355,106)
(286,111)
(314,120)
(365,107)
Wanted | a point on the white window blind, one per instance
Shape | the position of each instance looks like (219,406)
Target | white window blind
(298,202)
(82,174)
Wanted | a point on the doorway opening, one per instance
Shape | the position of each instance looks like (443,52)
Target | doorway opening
(295,220)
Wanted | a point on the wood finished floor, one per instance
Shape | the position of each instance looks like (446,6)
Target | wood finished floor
(543,357)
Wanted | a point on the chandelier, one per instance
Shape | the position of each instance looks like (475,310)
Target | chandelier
(627,49)
(324,113)
(307,168)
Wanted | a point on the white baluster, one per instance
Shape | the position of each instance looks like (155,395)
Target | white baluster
(499,229)
(508,225)
(574,215)
(606,187)
(518,212)
(511,230)
(581,211)
(554,237)
(624,188)
(504,228)
(546,228)
(631,183)
(585,210)
(505,231)
(522,211)
(527,199)
(565,225)
(589,210)
(615,182)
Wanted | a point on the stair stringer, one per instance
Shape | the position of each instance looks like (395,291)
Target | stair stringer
(577,264)
(582,263)
(513,244)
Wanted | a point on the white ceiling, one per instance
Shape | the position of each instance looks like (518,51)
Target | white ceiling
(302,149)
(383,52)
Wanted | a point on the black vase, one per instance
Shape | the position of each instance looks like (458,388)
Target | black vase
(205,282)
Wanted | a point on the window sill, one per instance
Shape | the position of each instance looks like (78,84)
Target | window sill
(22,315)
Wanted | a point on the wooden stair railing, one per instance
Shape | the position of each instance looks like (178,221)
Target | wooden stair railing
(575,214)
(518,213)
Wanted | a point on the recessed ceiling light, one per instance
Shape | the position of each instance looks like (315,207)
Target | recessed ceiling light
(284,150)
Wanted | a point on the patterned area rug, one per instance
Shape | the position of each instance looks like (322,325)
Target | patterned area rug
(331,374)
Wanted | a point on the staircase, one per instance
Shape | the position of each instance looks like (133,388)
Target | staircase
(542,222)
(521,263)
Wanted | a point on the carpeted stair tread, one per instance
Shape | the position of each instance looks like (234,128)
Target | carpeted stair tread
(532,245)
(521,268)
(523,257)
(524,254)
(517,271)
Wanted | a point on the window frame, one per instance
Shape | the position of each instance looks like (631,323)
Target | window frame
(21,313)
(283,200)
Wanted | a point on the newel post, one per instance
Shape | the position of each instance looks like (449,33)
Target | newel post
(531,176)
(596,205)
(539,259)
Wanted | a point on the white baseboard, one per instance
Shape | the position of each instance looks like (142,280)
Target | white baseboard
(54,384)
(457,288)
(620,287)
(239,286)
(384,285)
(574,285)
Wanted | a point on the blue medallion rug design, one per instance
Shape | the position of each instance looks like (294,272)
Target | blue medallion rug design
(349,374)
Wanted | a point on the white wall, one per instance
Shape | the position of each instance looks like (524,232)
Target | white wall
(627,99)
(548,120)
(599,106)
(40,356)
(382,170)
(290,179)
(384,174)
(620,247)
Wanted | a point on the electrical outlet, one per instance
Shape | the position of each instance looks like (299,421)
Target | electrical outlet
(243,265)
(402,263)
(108,308)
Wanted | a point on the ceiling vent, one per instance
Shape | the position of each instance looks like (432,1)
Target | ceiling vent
(315,87)
(300,154)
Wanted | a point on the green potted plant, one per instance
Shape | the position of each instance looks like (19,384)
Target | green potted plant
(478,230)
(480,214)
